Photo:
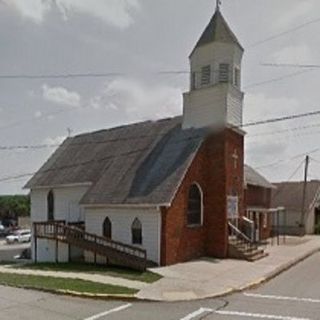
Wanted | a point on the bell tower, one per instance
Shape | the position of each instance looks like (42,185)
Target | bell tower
(215,98)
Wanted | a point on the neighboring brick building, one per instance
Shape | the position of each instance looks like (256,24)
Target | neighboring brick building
(258,203)
(170,186)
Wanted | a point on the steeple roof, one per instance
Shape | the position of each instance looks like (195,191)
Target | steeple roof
(217,30)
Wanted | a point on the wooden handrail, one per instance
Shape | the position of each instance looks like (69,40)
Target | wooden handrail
(55,229)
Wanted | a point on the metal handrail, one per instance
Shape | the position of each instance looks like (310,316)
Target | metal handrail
(239,233)
(245,219)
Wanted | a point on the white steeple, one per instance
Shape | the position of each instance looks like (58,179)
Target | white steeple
(215,97)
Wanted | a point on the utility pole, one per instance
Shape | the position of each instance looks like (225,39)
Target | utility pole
(304,195)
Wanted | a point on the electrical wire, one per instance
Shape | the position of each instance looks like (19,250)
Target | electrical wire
(281,34)
(280,190)
(246,125)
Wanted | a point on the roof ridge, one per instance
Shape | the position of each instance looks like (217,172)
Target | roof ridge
(125,126)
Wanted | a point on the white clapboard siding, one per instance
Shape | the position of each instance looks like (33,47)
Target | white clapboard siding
(66,207)
(66,203)
(121,219)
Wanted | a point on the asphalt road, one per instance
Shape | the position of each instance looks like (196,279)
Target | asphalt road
(294,295)
(7,252)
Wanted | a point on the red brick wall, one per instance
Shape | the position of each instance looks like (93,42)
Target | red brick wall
(258,197)
(214,170)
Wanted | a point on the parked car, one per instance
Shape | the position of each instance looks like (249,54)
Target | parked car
(19,236)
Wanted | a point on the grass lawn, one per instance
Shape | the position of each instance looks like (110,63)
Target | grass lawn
(129,274)
(56,284)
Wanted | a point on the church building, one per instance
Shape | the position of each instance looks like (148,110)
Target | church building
(166,191)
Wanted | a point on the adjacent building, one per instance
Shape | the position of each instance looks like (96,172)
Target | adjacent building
(294,220)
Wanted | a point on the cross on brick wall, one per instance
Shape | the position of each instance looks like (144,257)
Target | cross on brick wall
(235,158)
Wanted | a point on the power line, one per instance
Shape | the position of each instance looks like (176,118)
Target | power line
(291,65)
(288,76)
(92,75)
(273,164)
(284,130)
(279,191)
(281,34)
(249,124)
(281,119)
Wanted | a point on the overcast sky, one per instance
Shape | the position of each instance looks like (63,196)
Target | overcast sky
(140,38)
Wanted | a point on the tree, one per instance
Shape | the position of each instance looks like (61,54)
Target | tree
(14,206)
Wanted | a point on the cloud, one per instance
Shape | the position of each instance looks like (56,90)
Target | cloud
(298,10)
(294,55)
(31,9)
(139,100)
(38,114)
(261,147)
(61,95)
(114,12)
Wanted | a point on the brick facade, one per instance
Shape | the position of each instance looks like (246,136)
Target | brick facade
(218,169)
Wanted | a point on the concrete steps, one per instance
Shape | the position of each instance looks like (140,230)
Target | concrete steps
(239,249)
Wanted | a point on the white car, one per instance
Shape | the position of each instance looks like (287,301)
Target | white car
(19,236)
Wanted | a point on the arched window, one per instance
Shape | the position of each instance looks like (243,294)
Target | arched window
(136,231)
(107,228)
(195,205)
(50,205)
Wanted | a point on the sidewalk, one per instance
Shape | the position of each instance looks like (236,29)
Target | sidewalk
(78,275)
(211,278)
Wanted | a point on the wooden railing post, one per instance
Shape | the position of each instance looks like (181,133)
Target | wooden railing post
(95,251)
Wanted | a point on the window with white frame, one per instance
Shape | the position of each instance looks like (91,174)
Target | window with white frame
(224,72)
(206,75)
(195,205)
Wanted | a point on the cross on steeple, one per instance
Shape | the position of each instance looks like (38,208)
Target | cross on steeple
(218,4)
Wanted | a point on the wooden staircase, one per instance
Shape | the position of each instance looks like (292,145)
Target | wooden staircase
(242,247)
(116,253)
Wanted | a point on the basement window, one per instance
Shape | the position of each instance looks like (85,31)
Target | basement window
(205,75)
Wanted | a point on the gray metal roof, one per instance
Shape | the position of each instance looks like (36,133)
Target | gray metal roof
(143,163)
(252,177)
(217,30)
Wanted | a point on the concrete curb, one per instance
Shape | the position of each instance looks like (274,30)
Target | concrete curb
(134,297)
(251,285)
(281,269)
(84,295)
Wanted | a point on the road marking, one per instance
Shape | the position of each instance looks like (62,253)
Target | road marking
(103,314)
(272,297)
(197,313)
(257,315)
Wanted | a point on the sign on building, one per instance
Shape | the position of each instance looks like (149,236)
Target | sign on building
(233,207)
